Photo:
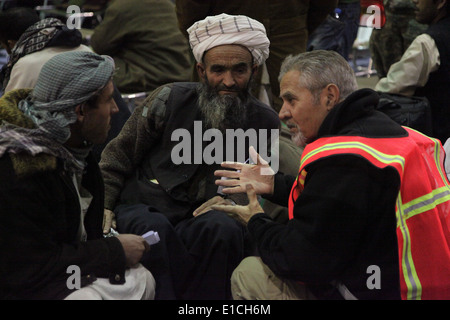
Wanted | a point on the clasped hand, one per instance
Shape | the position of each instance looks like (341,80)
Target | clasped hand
(253,179)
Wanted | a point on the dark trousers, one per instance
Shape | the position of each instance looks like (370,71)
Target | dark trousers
(194,260)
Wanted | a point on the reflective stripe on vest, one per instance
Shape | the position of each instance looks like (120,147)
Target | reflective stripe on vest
(422,207)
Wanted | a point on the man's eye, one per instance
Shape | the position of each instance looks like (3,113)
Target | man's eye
(217,70)
(290,101)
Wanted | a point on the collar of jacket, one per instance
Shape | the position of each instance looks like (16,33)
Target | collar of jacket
(23,164)
(357,105)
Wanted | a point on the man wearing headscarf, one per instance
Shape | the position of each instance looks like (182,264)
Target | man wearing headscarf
(51,195)
(31,42)
(149,188)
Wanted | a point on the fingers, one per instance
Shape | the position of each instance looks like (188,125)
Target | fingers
(231,210)
(230,180)
(230,174)
(242,213)
(108,221)
(225,208)
(227,182)
(146,246)
(206,206)
(256,158)
(232,165)
(253,154)
(251,194)
(231,189)
(202,209)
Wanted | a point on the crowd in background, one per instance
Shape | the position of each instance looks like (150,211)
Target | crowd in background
(88,116)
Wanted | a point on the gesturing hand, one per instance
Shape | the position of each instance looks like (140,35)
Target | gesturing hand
(207,206)
(259,175)
(242,213)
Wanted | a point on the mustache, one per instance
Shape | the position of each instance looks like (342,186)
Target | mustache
(291,124)
(222,87)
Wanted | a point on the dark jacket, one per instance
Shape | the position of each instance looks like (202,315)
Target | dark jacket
(138,165)
(39,221)
(147,47)
(438,86)
(344,220)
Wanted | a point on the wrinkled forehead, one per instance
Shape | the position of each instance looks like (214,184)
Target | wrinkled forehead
(228,54)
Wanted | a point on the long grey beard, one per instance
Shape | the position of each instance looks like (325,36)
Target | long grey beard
(222,112)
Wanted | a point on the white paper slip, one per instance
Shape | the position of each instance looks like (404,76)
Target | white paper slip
(151,237)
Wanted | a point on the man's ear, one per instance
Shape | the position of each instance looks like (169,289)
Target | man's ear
(330,96)
(201,70)
(255,69)
(79,111)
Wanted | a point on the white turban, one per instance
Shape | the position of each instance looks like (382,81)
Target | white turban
(226,29)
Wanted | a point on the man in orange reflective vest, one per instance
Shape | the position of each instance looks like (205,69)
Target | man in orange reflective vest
(369,209)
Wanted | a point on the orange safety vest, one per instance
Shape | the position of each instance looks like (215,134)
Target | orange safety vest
(422,207)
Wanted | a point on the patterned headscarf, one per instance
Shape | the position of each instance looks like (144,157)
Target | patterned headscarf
(224,29)
(66,81)
(35,38)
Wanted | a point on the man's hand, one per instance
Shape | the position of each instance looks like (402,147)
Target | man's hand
(242,213)
(109,221)
(134,246)
(205,207)
(259,175)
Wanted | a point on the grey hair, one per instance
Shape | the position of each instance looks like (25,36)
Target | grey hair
(318,68)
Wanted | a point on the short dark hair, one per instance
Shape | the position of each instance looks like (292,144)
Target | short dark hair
(14,22)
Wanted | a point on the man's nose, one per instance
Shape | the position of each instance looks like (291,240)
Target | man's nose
(228,79)
(114,108)
(284,113)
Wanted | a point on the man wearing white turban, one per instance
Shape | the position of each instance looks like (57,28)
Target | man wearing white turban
(226,29)
(288,24)
(150,186)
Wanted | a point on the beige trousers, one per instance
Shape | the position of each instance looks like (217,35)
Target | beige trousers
(253,280)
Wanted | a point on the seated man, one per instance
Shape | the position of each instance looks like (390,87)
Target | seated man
(151,184)
(31,42)
(51,195)
(369,208)
(143,38)
(424,69)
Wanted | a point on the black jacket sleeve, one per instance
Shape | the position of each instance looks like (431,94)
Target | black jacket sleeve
(330,217)
(282,189)
(39,220)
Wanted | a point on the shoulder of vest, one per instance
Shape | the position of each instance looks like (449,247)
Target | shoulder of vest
(184,85)
(164,91)
(381,152)
(157,102)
